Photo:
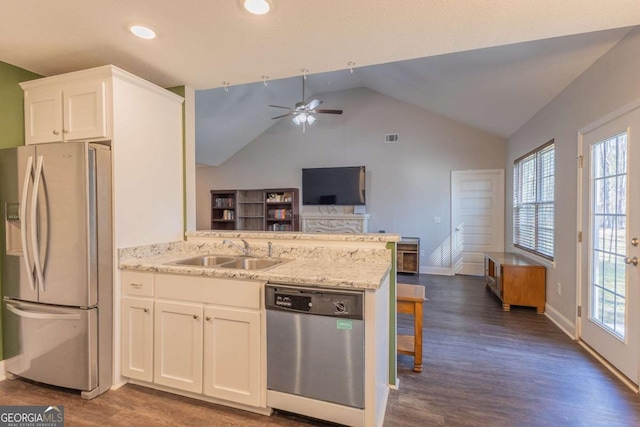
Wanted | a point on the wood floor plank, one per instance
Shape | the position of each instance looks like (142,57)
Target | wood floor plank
(481,367)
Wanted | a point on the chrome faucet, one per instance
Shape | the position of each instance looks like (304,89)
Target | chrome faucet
(246,250)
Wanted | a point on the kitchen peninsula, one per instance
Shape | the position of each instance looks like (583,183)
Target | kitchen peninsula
(201,331)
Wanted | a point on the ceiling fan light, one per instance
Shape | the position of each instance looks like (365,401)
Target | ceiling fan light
(310,119)
(296,120)
(257,7)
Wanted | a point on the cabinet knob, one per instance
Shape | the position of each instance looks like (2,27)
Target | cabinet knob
(65,131)
(146,310)
(207,318)
(55,132)
(195,316)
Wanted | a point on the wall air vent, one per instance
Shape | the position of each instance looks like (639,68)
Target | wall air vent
(390,138)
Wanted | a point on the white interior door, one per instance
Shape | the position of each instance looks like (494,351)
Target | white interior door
(477,218)
(610,282)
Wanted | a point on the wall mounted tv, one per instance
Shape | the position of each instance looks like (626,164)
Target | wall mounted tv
(333,186)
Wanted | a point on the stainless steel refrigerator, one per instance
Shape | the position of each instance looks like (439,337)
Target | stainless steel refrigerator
(57,264)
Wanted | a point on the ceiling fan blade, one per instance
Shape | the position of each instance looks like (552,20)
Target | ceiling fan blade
(329,111)
(279,106)
(311,105)
(284,115)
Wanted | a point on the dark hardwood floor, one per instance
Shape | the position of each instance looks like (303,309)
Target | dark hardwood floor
(482,367)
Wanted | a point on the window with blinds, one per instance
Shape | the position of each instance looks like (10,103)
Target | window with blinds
(533,200)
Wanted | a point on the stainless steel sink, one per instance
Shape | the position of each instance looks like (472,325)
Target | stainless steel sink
(204,261)
(251,263)
(221,261)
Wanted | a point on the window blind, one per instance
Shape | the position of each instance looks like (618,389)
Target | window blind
(533,201)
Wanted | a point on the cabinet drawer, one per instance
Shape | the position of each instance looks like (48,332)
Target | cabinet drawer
(137,283)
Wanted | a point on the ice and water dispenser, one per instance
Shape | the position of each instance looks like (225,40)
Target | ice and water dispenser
(13,229)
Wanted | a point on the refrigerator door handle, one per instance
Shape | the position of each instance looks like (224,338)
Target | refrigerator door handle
(41,316)
(23,218)
(34,223)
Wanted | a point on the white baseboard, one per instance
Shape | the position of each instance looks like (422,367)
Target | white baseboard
(117,383)
(441,271)
(3,373)
(564,324)
(395,386)
(610,367)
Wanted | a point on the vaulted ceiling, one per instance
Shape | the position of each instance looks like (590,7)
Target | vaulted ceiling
(494,89)
(203,43)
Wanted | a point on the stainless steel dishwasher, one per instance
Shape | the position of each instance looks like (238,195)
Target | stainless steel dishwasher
(315,343)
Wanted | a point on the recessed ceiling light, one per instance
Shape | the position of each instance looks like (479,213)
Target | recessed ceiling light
(142,32)
(257,7)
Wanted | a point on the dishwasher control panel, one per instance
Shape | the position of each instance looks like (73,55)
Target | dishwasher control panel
(293,302)
(315,301)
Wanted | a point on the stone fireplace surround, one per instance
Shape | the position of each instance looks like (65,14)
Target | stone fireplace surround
(334,223)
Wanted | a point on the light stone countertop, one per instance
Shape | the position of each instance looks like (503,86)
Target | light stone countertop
(295,235)
(302,271)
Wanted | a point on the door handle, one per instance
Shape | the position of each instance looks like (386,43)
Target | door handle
(23,222)
(633,261)
(34,223)
(42,316)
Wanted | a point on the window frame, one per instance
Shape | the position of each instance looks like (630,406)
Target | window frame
(539,232)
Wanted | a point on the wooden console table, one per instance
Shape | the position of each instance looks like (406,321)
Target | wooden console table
(410,299)
(515,280)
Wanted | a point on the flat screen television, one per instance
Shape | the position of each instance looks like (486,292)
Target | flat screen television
(333,186)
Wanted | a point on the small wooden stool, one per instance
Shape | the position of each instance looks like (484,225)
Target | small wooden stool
(409,299)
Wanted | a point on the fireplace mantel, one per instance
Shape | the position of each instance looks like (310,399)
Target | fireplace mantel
(343,223)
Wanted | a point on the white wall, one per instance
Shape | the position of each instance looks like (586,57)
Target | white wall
(609,84)
(408,183)
(190,158)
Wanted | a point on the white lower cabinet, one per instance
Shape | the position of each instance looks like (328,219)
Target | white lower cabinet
(137,338)
(232,355)
(178,345)
(195,334)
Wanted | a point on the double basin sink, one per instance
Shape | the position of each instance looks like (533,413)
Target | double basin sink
(226,261)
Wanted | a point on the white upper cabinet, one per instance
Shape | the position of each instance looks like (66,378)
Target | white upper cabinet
(57,112)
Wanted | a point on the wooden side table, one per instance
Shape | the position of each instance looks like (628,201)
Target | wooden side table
(409,300)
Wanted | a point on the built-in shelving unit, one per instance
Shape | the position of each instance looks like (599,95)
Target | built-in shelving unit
(223,209)
(250,210)
(260,209)
(281,209)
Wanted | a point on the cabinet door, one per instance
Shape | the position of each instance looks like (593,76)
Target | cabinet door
(232,361)
(84,111)
(43,116)
(137,338)
(178,346)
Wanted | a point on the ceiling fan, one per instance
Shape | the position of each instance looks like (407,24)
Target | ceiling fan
(302,112)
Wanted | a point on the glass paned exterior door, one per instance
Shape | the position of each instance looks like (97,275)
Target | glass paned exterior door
(608,279)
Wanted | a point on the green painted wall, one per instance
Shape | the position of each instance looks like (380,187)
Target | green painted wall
(180,90)
(393,328)
(11,124)
(12,104)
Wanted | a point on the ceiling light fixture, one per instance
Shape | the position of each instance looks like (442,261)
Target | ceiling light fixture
(142,32)
(257,7)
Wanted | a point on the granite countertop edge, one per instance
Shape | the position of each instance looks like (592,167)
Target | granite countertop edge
(302,272)
(295,235)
